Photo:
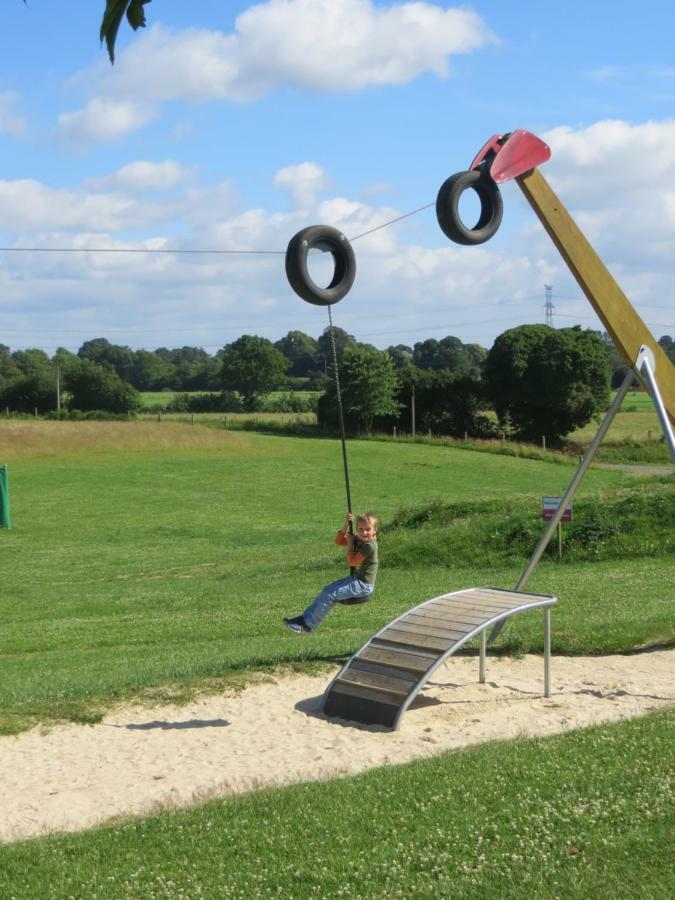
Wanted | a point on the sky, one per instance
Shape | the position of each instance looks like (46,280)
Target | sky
(231,126)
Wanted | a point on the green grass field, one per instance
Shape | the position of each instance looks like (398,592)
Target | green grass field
(153,559)
(156,554)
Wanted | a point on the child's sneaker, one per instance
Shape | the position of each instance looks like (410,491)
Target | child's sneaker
(297,625)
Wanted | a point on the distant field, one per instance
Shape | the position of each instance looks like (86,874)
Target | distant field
(164,398)
(635,421)
(228,419)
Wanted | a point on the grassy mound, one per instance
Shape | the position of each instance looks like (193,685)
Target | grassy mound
(634,522)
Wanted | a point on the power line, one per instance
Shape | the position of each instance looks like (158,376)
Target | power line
(136,250)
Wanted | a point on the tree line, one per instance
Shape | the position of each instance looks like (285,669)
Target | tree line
(536,379)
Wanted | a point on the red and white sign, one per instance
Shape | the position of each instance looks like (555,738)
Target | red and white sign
(549,507)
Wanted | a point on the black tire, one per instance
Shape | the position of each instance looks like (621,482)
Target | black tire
(491,207)
(320,237)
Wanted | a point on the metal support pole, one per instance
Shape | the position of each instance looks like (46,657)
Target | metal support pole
(646,371)
(547,651)
(571,490)
(576,480)
(483,647)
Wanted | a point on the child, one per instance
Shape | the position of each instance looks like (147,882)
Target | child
(361,557)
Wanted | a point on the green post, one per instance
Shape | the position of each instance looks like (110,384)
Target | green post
(4,498)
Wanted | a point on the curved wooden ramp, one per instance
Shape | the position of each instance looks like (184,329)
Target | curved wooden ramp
(380,681)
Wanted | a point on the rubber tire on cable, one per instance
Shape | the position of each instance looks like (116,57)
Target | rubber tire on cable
(491,207)
(320,237)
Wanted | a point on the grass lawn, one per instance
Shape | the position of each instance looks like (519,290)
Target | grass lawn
(146,555)
(150,559)
(587,814)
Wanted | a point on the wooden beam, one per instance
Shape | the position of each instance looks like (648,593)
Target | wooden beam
(616,312)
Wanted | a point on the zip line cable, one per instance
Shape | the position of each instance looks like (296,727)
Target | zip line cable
(392,221)
(213,252)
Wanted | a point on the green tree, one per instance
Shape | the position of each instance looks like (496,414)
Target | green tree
(194,369)
(64,360)
(615,360)
(668,345)
(151,372)
(301,350)
(448,353)
(544,381)
(252,365)
(368,387)
(8,367)
(31,362)
(116,356)
(325,345)
(401,355)
(98,387)
(445,403)
(30,391)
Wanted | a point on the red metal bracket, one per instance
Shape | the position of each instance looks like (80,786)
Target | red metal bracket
(507,155)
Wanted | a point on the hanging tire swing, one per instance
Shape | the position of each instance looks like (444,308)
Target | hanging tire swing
(491,207)
(327,239)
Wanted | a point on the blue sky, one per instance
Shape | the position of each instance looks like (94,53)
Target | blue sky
(230,126)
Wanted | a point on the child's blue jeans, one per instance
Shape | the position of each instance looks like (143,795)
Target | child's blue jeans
(348,588)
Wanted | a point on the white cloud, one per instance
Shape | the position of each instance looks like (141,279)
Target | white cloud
(319,45)
(104,119)
(10,122)
(303,182)
(32,207)
(144,175)
(618,181)
(406,288)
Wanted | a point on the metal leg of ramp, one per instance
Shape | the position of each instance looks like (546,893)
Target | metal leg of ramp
(380,681)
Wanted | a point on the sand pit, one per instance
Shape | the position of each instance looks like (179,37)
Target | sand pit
(139,759)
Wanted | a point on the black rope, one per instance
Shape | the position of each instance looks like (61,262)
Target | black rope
(341,418)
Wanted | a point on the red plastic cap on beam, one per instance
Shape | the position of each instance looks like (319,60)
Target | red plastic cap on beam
(512,154)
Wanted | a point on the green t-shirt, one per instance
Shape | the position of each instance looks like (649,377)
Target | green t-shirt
(367,571)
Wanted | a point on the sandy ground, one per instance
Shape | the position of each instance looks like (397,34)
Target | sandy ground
(139,760)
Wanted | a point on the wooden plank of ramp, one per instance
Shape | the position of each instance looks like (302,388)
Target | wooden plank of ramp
(382,678)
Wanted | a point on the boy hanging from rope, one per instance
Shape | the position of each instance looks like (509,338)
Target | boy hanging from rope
(356,587)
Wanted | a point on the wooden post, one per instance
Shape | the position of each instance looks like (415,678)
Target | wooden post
(617,314)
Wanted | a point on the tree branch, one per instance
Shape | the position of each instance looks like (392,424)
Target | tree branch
(112,18)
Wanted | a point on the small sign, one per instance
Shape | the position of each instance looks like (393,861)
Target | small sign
(549,507)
